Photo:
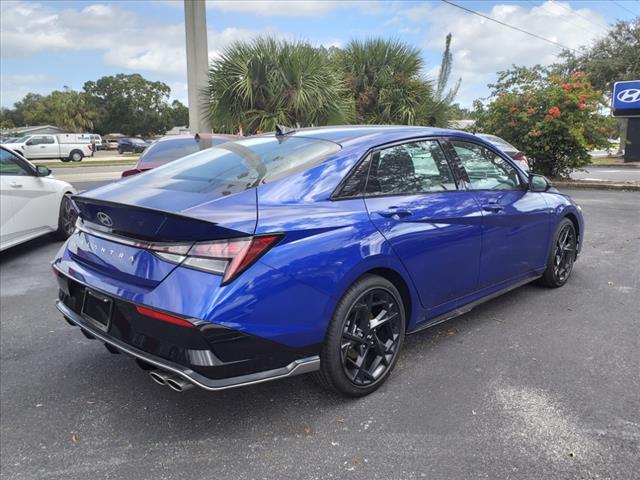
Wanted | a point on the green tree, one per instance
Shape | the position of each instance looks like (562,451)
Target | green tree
(70,110)
(386,83)
(179,114)
(383,77)
(609,59)
(66,109)
(31,110)
(257,85)
(552,117)
(130,104)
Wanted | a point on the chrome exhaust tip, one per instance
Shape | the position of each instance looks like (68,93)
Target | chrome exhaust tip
(159,376)
(178,384)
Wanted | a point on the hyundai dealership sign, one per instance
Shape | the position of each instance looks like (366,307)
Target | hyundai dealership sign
(626,99)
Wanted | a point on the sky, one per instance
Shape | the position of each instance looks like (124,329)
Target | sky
(47,45)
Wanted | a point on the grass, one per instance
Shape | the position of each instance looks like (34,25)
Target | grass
(608,161)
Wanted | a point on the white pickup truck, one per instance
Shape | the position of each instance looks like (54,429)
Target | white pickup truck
(66,146)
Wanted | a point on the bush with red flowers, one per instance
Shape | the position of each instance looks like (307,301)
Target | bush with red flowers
(554,119)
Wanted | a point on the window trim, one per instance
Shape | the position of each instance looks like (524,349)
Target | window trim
(451,151)
(335,195)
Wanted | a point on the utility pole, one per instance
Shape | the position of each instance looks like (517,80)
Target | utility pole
(195,20)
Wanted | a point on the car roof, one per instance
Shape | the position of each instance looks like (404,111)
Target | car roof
(496,140)
(213,136)
(379,134)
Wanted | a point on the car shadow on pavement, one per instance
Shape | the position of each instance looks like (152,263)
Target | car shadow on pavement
(284,407)
(25,250)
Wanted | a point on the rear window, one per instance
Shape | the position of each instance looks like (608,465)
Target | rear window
(169,150)
(237,166)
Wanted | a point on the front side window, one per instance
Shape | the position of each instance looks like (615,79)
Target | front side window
(416,167)
(486,170)
(10,164)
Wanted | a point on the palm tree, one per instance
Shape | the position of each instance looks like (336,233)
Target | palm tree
(257,85)
(384,79)
(70,110)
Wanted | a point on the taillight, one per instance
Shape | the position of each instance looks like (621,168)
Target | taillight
(165,317)
(228,258)
(91,147)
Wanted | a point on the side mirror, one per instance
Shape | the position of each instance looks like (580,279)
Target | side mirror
(43,171)
(538,183)
(29,142)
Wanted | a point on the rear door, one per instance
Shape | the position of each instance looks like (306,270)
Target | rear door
(515,220)
(435,228)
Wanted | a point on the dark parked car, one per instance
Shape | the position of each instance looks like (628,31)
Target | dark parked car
(507,148)
(314,250)
(134,145)
(170,148)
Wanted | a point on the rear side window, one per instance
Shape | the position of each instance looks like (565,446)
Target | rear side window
(416,167)
(168,150)
(486,170)
(237,166)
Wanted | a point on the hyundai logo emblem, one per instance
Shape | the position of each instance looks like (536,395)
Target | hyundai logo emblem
(630,95)
(105,219)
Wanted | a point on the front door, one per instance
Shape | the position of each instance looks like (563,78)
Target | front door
(413,199)
(515,220)
(41,146)
(29,203)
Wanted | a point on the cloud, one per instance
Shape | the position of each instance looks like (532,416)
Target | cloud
(300,8)
(126,40)
(15,87)
(481,47)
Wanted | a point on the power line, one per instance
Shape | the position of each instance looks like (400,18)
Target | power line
(627,9)
(573,12)
(510,26)
(543,6)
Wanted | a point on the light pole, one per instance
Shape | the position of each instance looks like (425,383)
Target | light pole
(195,20)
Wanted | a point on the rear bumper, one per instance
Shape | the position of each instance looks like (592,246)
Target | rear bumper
(208,355)
(297,367)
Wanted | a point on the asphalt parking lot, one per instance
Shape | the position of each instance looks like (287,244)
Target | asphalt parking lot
(537,384)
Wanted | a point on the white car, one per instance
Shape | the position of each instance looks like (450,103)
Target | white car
(32,202)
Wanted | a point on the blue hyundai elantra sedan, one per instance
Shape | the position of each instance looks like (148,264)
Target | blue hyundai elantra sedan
(314,250)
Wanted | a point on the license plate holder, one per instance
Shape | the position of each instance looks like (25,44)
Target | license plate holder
(97,309)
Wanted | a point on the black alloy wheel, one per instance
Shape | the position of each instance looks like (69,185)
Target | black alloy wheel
(562,255)
(364,338)
(370,337)
(565,253)
(66,219)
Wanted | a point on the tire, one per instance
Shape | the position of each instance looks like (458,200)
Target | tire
(119,151)
(66,218)
(351,339)
(562,255)
(65,159)
(76,156)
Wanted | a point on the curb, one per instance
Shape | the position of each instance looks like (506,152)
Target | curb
(626,187)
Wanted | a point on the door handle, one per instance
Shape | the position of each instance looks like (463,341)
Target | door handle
(492,207)
(394,212)
(15,185)
(43,146)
